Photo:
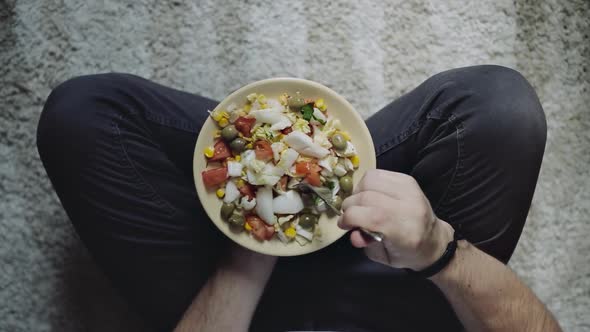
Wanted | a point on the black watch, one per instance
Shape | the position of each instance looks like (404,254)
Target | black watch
(440,263)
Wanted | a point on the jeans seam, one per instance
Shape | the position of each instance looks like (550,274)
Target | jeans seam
(153,117)
(454,182)
(431,114)
(416,124)
(397,140)
(158,199)
(180,125)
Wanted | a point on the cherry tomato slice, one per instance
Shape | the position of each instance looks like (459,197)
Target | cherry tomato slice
(270,231)
(311,170)
(244,125)
(248,190)
(214,177)
(259,228)
(306,167)
(303,167)
(263,150)
(222,151)
(313,179)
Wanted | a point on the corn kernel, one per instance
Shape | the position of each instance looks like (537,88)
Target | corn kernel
(224,114)
(247,227)
(355,161)
(216,116)
(240,183)
(238,158)
(249,146)
(319,103)
(223,122)
(263,105)
(209,151)
(290,232)
(247,108)
(323,108)
(217,134)
(252,97)
(261,99)
(345,135)
(220,193)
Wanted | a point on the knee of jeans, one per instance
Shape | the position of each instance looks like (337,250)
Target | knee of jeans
(70,113)
(511,109)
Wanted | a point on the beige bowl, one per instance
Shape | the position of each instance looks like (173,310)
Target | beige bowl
(338,108)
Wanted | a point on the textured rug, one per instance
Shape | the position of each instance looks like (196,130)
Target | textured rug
(369,51)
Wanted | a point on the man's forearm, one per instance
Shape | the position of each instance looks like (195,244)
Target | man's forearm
(488,296)
(229,298)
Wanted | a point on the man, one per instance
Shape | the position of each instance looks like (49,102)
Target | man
(118,151)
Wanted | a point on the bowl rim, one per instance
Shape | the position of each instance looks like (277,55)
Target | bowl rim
(323,90)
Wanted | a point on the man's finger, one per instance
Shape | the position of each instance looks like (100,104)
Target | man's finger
(368,199)
(358,240)
(381,181)
(361,217)
(397,177)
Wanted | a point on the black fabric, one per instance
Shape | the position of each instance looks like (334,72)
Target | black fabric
(118,150)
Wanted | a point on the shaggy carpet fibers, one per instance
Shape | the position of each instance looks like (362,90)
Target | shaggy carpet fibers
(369,51)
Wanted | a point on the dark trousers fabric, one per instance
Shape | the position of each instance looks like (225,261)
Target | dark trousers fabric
(118,151)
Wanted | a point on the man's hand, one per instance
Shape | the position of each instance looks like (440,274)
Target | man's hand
(485,294)
(394,205)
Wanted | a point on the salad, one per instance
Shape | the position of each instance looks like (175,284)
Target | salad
(263,150)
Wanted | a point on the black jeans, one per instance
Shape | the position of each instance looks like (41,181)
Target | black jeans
(118,150)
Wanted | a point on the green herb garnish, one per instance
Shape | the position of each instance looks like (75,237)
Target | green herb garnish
(317,199)
(307,112)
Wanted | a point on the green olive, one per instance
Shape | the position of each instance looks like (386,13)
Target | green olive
(307,221)
(236,219)
(296,102)
(339,142)
(226,210)
(238,145)
(337,202)
(346,184)
(229,133)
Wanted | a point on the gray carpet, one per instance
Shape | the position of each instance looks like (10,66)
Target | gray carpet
(369,51)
